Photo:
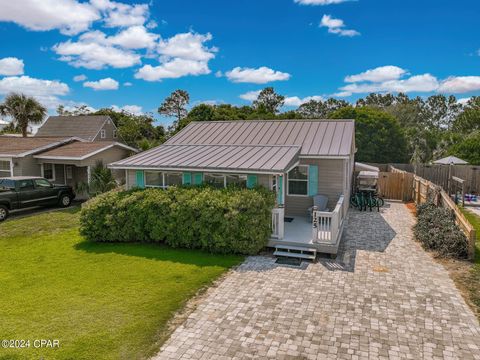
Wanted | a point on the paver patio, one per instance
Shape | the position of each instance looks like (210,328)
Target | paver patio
(383,297)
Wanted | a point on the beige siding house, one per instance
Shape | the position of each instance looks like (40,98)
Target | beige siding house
(307,163)
(64,150)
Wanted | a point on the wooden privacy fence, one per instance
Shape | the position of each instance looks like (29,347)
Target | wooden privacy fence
(395,185)
(417,189)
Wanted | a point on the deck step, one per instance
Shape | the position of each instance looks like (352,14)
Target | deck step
(302,252)
(295,255)
(298,248)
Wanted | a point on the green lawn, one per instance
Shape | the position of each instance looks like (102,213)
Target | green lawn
(472,282)
(101,301)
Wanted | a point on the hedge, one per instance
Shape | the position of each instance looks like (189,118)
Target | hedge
(436,230)
(221,221)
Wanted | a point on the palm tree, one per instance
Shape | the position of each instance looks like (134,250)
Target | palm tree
(23,110)
(102,180)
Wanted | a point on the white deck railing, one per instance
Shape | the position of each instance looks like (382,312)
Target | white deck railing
(326,225)
(278,224)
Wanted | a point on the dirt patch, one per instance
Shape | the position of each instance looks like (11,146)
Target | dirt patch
(466,279)
(412,208)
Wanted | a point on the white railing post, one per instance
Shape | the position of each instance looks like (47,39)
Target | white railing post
(315,223)
(278,223)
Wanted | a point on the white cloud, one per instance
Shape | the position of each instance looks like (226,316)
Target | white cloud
(251,95)
(189,46)
(319,2)
(93,51)
(121,15)
(135,37)
(460,84)
(296,101)
(181,55)
(172,69)
(128,83)
(103,84)
(337,26)
(341,94)
(463,101)
(391,79)
(379,74)
(78,78)
(11,66)
(132,109)
(289,100)
(69,16)
(418,83)
(261,75)
(152,24)
(45,91)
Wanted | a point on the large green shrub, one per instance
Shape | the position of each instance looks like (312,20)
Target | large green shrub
(221,221)
(436,230)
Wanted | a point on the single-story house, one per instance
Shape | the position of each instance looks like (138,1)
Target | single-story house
(305,162)
(60,155)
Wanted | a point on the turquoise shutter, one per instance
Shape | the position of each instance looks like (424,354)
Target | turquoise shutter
(140,179)
(251,181)
(197,179)
(312,180)
(280,191)
(187,178)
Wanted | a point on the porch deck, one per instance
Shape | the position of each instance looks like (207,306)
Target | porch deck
(298,231)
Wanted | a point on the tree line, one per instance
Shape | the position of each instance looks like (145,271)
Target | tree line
(389,128)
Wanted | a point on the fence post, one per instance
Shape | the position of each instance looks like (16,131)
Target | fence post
(471,244)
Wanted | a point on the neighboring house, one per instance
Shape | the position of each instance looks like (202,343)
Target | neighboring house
(61,160)
(87,127)
(3,124)
(298,159)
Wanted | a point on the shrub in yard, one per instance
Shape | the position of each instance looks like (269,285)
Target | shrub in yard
(436,230)
(222,221)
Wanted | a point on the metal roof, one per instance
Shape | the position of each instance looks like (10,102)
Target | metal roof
(238,158)
(85,126)
(316,137)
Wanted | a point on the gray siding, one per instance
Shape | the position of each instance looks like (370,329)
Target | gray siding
(27,166)
(331,182)
(109,128)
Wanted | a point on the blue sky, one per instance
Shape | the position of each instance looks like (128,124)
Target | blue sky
(133,54)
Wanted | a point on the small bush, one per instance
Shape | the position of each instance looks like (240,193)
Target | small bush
(220,221)
(436,230)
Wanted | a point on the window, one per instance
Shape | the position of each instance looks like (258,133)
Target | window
(49,171)
(115,134)
(215,180)
(68,172)
(26,184)
(7,184)
(103,134)
(153,179)
(298,181)
(236,180)
(4,168)
(42,183)
(173,179)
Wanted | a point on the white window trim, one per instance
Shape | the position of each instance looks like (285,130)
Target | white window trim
(103,134)
(163,179)
(288,182)
(53,171)
(154,186)
(11,165)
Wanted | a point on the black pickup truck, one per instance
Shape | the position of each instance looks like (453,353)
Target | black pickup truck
(21,192)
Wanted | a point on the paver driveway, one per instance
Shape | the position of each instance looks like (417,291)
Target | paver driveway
(383,297)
